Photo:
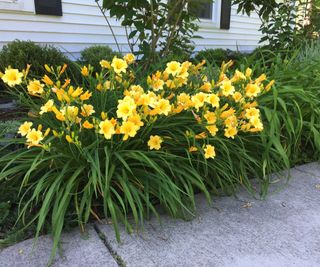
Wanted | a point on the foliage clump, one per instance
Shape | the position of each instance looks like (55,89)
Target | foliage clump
(295,117)
(285,24)
(109,147)
(155,29)
(92,55)
(20,53)
(217,56)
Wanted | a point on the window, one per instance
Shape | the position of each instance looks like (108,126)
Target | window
(201,9)
(45,7)
(48,7)
(216,14)
(205,11)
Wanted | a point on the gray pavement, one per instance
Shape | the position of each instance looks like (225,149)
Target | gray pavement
(76,251)
(283,230)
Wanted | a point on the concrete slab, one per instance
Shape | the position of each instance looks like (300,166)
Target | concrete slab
(283,230)
(311,168)
(77,251)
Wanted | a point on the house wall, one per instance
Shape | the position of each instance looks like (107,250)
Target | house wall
(83,25)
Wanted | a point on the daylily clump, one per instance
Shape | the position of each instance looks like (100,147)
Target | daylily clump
(113,106)
(115,142)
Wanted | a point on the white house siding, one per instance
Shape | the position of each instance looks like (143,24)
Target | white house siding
(82,25)
(243,34)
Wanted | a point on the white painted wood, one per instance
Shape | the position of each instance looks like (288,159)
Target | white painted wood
(17,5)
(82,25)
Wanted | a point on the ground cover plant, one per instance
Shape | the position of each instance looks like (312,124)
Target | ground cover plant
(109,147)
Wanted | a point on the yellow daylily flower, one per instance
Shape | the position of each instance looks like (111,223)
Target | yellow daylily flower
(107,129)
(230,132)
(47,80)
(105,64)
(35,87)
(155,142)
(128,128)
(85,71)
(129,58)
(87,125)
(252,90)
(12,77)
(25,128)
(173,68)
(34,137)
(210,152)
(119,65)
(87,110)
(47,107)
(227,89)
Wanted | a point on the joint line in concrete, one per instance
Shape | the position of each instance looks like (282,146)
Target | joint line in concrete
(104,239)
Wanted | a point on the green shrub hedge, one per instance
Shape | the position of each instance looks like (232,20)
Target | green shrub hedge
(217,56)
(92,55)
(20,53)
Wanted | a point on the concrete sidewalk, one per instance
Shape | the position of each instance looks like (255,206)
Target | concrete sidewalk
(283,230)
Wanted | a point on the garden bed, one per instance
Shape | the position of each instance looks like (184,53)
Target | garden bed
(108,145)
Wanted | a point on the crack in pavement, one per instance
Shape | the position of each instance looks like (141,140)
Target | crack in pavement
(105,241)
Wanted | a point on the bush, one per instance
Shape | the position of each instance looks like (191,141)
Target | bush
(283,23)
(18,54)
(155,29)
(111,149)
(217,56)
(92,55)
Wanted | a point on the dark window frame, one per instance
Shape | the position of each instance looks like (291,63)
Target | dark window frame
(206,12)
(48,7)
(225,17)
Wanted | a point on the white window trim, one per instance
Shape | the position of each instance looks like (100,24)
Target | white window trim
(17,5)
(216,15)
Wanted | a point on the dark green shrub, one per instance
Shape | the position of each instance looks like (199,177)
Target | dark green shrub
(217,56)
(214,56)
(18,54)
(93,55)
(262,52)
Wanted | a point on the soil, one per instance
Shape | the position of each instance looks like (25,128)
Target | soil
(9,111)
(11,114)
